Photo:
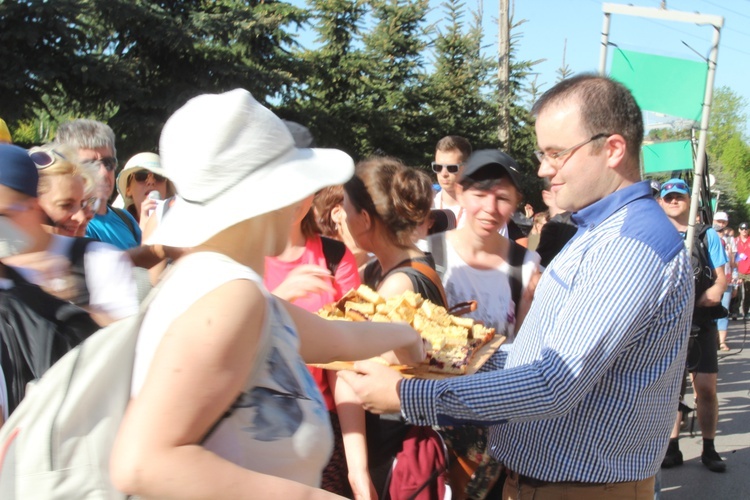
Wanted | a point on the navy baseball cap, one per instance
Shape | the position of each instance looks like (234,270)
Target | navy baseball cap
(674,186)
(17,170)
(492,164)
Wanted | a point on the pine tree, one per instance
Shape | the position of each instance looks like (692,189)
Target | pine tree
(394,98)
(327,102)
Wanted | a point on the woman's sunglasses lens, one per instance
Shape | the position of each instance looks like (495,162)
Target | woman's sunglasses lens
(42,159)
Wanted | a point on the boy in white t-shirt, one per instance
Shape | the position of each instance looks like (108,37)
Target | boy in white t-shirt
(477,259)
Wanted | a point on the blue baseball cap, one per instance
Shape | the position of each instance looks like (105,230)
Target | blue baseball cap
(674,186)
(17,170)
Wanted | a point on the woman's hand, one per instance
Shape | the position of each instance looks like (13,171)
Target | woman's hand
(303,280)
(147,206)
(362,486)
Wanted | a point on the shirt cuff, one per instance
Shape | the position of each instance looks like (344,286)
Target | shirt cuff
(418,398)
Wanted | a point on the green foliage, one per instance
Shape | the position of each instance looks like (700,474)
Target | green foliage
(335,75)
(377,79)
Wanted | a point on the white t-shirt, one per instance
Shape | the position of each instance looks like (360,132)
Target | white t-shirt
(279,425)
(489,287)
(108,274)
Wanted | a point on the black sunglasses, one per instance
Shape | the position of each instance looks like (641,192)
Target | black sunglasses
(438,167)
(109,163)
(142,176)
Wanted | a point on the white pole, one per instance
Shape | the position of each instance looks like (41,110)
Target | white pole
(700,161)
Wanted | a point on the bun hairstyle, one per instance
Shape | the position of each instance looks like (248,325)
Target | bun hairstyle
(399,196)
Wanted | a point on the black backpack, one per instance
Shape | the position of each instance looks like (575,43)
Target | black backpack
(37,329)
(704,275)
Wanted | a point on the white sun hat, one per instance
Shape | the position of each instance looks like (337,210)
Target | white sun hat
(231,159)
(141,161)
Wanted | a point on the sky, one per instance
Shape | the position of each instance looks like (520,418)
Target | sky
(551,25)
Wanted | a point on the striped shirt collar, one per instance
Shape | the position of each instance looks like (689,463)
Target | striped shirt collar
(594,214)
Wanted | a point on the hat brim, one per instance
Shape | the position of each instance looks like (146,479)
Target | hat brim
(285,181)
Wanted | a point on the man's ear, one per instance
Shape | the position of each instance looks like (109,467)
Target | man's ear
(616,150)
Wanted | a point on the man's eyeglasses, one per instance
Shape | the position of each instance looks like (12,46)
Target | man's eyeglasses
(438,167)
(142,176)
(551,157)
(44,159)
(109,163)
(92,204)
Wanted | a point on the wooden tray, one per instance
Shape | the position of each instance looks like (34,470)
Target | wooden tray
(422,370)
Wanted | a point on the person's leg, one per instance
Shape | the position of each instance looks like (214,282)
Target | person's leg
(673,456)
(745,289)
(707,402)
(723,324)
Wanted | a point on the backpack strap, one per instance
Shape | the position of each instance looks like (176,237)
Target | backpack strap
(431,275)
(78,269)
(516,255)
(436,247)
(333,251)
(126,219)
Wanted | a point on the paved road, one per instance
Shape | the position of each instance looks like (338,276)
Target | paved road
(692,480)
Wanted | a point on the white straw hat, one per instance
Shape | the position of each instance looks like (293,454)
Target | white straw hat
(141,161)
(231,159)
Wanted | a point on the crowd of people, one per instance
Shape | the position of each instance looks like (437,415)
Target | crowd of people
(244,230)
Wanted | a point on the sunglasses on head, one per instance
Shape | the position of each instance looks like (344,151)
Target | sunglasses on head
(672,185)
(142,176)
(109,163)
(438,167)
(44,159)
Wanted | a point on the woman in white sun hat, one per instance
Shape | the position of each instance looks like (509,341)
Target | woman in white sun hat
(222,403)
(142,176)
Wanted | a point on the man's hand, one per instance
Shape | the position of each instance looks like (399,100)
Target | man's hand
(376,386)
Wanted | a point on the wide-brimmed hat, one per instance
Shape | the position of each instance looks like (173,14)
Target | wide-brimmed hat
(231,159)
(141,161)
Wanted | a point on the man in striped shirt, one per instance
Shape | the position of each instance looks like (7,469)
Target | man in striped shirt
(583,401)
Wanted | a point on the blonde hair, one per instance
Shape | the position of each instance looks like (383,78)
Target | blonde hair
(66,163)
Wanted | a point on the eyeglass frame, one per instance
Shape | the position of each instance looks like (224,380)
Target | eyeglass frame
(551,157)
(447,166)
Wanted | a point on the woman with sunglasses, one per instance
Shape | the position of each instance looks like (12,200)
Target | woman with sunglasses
(93,275)
(142,176)
(65,191)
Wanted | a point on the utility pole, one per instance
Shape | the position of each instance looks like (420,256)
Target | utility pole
(503,132)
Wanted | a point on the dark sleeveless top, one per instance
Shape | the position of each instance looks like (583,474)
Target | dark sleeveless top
(373,277)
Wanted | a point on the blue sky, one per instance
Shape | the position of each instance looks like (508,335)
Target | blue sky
(550,24)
